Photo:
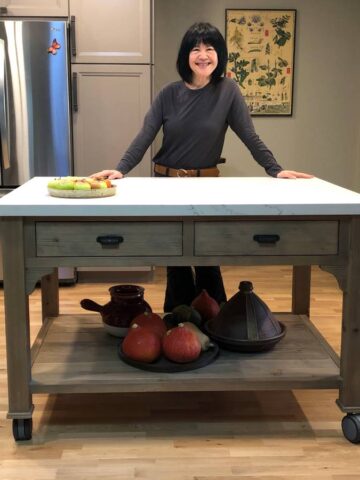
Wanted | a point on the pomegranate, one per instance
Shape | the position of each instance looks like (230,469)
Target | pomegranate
(206,306)
(152,321)
(141,344)
(181,345)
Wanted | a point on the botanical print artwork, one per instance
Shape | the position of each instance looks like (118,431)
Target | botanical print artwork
(261,58)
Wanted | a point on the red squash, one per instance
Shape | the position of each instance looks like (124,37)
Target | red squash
(141,344)
(206,306)
(181,345)
(152,321)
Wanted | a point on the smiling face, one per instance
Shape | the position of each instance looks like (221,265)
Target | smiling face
(203,60)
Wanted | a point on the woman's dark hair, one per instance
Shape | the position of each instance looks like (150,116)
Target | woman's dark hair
(209,35)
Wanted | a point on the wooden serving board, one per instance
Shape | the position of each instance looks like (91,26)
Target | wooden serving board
(93,193)
(164,365)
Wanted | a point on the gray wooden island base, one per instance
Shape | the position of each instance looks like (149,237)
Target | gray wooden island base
(73,354)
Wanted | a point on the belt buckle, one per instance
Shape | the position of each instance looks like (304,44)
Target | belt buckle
(182,172)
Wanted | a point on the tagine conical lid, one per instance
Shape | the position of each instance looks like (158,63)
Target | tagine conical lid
(245,317)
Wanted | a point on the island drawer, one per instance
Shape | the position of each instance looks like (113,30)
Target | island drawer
(267,238)
(108,239)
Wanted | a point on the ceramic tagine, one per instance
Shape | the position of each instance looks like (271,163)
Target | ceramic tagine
(245,323)
(127,301)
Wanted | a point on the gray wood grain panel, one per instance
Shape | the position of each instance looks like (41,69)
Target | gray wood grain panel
(79,239)
(77,355)
(350,341)
(295,238)
(16,319)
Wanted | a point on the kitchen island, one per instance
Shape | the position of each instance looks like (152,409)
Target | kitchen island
(179,221)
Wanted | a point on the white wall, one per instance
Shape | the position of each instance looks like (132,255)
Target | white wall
(323,135)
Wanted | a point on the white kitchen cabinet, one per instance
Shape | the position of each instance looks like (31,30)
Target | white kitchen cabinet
(32,8)
(111,31)
(109,103)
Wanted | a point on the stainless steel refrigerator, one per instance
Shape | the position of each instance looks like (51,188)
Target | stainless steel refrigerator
(34,101)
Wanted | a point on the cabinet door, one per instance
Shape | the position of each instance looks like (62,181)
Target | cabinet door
(112,102)
(111,31)
(39,8)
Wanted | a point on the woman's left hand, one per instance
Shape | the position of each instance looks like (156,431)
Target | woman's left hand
(293,174)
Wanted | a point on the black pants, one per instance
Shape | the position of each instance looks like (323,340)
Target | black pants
(184,284)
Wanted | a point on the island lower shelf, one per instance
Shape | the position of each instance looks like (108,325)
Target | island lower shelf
(73,354)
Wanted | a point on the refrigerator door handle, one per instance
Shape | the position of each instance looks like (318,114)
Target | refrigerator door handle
(4,120)
(74,92)
(73,36)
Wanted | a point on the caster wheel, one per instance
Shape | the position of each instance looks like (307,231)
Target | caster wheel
(351,427)
(22,429)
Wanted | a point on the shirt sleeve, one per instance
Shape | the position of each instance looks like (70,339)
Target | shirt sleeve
(241,123)
(152,123)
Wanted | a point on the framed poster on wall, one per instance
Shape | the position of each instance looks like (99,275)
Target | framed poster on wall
(261,47)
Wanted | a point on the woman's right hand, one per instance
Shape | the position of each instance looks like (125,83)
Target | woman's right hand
(110,174)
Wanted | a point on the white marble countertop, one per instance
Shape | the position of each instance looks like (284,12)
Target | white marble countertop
(224,196)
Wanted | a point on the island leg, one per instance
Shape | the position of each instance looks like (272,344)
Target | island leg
(301,289)
(349,395)
(17,329)
(50,295)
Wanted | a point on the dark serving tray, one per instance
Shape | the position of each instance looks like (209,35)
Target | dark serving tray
(164,365)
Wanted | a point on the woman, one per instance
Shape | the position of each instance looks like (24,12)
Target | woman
(194,114)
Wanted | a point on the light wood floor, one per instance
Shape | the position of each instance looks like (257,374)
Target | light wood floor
(187,436)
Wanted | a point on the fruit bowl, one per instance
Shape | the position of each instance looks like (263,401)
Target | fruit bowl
(80,187)
(93,193)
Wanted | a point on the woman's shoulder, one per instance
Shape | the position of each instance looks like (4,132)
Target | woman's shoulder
(167,91)
(172,86)
(228,84)
(228,89)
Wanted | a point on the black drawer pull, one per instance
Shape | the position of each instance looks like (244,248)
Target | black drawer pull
(110,240)
(266,239)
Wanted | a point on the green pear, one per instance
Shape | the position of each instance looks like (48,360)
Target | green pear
(66,184)
(81,185)
(53,183)
(103,184)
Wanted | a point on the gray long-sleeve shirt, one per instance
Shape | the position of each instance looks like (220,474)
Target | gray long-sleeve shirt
(194,125)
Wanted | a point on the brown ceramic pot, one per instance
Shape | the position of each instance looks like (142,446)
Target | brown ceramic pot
(127,301)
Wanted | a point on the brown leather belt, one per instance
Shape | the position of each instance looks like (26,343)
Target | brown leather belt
(181,172)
